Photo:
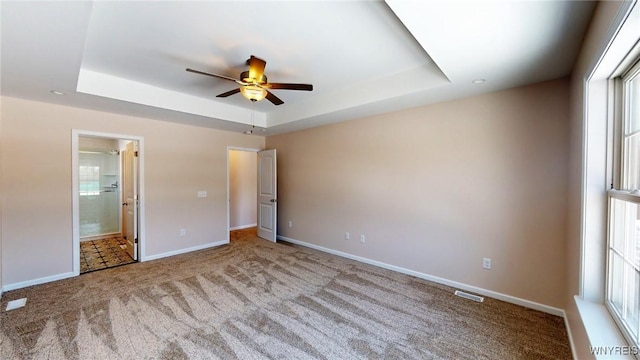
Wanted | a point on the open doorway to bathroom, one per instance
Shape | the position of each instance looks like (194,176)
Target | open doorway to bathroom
(242,191)
(106,216)
(100,197)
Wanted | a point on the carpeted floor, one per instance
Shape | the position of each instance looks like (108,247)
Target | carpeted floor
(103,253)
(253,299)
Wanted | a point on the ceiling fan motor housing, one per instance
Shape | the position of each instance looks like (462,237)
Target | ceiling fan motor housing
(244,77)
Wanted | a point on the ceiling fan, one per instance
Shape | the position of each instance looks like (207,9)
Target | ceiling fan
(254,85)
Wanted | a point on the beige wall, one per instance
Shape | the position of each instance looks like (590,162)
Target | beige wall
(180,160)
(603,17)
(437,188)
(243,188)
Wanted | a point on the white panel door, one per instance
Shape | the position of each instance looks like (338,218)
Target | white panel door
(130,195)
(267,195)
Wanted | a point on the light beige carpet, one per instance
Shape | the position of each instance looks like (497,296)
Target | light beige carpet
(254,299)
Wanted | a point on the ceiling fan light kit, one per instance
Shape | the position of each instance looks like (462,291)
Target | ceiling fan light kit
(254,85)
(253,93)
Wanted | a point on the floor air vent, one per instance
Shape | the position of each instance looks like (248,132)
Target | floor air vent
(15,304)
(465,295)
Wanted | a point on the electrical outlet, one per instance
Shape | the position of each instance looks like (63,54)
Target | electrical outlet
(183,232)
(362,239)
(202,194)
(486,263)
(347,236)
(290,223)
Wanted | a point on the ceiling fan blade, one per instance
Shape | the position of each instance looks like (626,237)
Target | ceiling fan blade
(284,86)
(256,68)
(214,75)
(274,99)
(229,93)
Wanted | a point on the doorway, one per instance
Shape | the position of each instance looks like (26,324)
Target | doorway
(251,193)
(108,213)
(242,192)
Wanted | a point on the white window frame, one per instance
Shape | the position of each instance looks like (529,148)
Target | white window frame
(629,70)
(597,151)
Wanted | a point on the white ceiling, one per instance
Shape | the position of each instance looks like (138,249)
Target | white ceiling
(363,57)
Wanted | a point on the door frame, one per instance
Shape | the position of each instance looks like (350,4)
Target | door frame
(129,172)
(229,149)
(75,190)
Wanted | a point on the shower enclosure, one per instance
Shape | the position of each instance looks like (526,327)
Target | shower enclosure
(99,184)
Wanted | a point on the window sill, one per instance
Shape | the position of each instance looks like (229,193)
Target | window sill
(602,331)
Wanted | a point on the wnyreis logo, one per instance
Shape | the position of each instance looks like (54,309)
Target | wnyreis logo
(614,350)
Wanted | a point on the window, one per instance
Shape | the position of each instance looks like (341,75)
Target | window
(623,261)
(89,180)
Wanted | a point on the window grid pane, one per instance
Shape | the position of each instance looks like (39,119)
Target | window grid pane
(631,300)
(623,293)
(617,225)
(632,91)
(616,282)
(89,180)
(632,162)
(631,230)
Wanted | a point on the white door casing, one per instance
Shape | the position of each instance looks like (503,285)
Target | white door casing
(130,197)
(267,195)
(75,186)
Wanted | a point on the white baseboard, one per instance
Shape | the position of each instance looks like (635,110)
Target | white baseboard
(184,251)
(47,279)
(38,281)
(454,284)
(243,227)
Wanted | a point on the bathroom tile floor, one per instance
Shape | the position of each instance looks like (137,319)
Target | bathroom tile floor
(103,253)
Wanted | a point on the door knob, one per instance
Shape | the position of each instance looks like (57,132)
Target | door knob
(125,204)
(274,200)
